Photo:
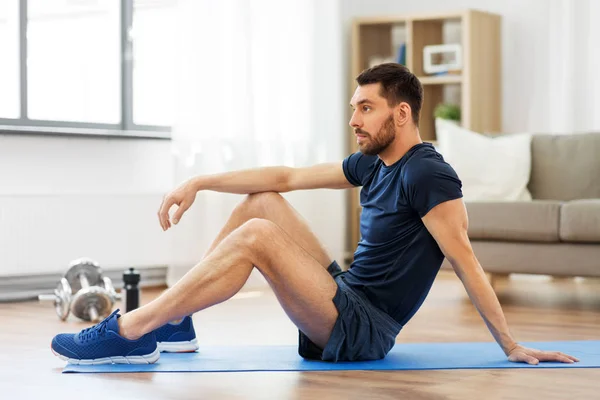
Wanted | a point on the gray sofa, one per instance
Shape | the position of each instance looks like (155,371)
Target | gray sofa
(558,232)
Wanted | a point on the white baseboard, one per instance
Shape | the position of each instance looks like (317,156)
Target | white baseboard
(28,287)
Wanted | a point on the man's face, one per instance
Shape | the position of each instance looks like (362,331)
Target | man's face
(372,120)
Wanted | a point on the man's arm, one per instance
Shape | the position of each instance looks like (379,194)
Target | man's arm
(275,179)
(448,224)
(266,179)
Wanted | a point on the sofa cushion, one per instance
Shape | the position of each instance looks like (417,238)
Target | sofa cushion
(565,167)
(491,168)
(530,221)
(580,221)
(558,259)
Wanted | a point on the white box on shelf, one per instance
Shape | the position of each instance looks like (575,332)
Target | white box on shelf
(442,58)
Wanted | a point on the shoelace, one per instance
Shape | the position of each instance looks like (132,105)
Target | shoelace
(94,331)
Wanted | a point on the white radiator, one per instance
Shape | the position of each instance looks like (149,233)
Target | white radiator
(41,234)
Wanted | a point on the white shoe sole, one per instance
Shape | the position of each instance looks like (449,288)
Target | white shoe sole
(144,359)
(178,347)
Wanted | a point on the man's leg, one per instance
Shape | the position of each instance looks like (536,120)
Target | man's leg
(273,207)
(303,287)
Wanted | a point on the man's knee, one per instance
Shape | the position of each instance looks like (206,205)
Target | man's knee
(259,204)
(257,231)
(257,235)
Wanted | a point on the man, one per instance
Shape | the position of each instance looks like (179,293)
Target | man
(413,216)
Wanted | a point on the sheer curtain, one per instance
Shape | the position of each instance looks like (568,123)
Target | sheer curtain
(245,83)
(574,62)
(259,84)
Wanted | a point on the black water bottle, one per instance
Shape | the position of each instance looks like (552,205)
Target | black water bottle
(131,297)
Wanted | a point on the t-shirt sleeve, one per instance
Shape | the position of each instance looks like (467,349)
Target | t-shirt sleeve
(430,182)
(357,167)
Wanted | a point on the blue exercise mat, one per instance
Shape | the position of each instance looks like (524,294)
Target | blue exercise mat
(404,356)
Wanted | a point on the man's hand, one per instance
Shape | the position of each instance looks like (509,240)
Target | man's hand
(533,356)
(183,197)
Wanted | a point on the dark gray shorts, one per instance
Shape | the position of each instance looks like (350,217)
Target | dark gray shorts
(361,331)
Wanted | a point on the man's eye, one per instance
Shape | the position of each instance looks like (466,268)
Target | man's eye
(366,108)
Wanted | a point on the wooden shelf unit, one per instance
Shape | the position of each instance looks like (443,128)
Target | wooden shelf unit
(477,88)
(440,80)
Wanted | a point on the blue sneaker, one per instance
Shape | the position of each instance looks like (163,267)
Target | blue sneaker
(177,338)
(102,344)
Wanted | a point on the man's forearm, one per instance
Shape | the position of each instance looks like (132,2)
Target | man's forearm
(266,179)
(485,300)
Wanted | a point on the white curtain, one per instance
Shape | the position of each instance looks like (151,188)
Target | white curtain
(574,62)
(246,84)
(259,85)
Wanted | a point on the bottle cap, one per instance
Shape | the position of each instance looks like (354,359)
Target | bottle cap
(131,276)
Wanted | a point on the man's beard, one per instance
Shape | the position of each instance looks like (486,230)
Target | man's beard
(381,141)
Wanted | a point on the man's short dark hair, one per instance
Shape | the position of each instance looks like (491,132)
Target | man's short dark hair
(398,84)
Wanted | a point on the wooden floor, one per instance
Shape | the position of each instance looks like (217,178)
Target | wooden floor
(536,310)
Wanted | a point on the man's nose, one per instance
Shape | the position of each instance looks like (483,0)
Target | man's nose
(355,121)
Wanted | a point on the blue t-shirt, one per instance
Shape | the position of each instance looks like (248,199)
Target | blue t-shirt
(397,259)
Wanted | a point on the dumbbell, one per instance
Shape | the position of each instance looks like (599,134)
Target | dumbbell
(61,297)
(94,295)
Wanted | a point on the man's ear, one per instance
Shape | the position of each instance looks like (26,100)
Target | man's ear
(402,113)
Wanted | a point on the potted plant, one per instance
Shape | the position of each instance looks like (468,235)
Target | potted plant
(448,112)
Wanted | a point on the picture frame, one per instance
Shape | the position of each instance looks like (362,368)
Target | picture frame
(442,58)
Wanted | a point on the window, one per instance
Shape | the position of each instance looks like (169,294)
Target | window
(153,35)
(74,68)
(105,64)
(10,102)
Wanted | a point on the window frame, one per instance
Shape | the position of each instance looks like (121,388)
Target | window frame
(127,127)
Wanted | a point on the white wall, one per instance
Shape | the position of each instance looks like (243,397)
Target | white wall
(61,165)
(64,197)
(548,83)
